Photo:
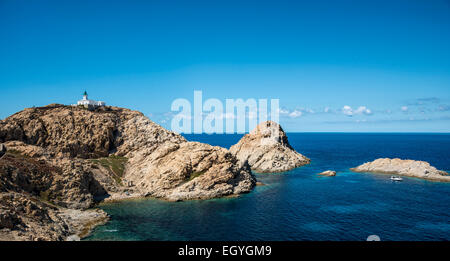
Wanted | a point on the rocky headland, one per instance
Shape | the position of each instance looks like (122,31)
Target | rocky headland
(61,160)
(266,149)
(409,168)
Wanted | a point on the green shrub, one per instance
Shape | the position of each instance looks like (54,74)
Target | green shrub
(114,164)
(196,174)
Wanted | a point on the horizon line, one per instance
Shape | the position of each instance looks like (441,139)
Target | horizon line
(340,132)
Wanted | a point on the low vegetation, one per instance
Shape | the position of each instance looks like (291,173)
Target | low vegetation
(114,164)
(196,174)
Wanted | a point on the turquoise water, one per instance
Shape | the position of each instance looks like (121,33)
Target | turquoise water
(300,205)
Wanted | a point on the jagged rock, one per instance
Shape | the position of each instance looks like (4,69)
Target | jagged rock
(328,173)
(266,149)
(67,131)
(71,184)
(24,218)
(189,170)
(69,157)
(410,168)
(2,150)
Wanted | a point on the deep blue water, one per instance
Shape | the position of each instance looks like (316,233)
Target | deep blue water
(300,205)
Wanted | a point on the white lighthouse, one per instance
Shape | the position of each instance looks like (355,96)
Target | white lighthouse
(86,102)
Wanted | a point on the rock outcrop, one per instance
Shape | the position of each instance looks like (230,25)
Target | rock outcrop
(328,173)
(24,218)
(71,186)
(67,131)
(409,168)
(266,149)
(70,158)
(189,170)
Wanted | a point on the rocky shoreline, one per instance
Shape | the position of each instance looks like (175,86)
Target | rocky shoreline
(83,222)
(24,218)
(57,162)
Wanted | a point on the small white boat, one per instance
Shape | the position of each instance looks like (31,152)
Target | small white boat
(394,178)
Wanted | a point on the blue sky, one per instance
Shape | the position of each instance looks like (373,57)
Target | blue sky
(364,66)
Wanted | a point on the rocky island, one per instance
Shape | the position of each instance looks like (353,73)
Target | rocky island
(61,160)
(409,168)
(267,150)
(328,173)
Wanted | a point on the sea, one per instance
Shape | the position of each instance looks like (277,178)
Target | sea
(299,205)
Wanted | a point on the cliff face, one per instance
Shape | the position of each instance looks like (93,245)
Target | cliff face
(191,170)
(72,157)
(267,149)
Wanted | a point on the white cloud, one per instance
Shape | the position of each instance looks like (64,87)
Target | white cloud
(295,114)
(283,111)
(363,110)
(347,110)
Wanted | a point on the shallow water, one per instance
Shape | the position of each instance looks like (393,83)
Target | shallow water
(300,205)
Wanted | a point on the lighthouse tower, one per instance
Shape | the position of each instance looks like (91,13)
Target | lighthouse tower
(90,103)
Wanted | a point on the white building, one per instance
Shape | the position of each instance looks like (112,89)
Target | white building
(86,102)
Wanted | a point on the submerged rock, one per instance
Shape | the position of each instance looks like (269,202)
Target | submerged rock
(328,173)
(266,149)
(410,168)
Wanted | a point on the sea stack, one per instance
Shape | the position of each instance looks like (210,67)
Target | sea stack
(267,150)
(409,168)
